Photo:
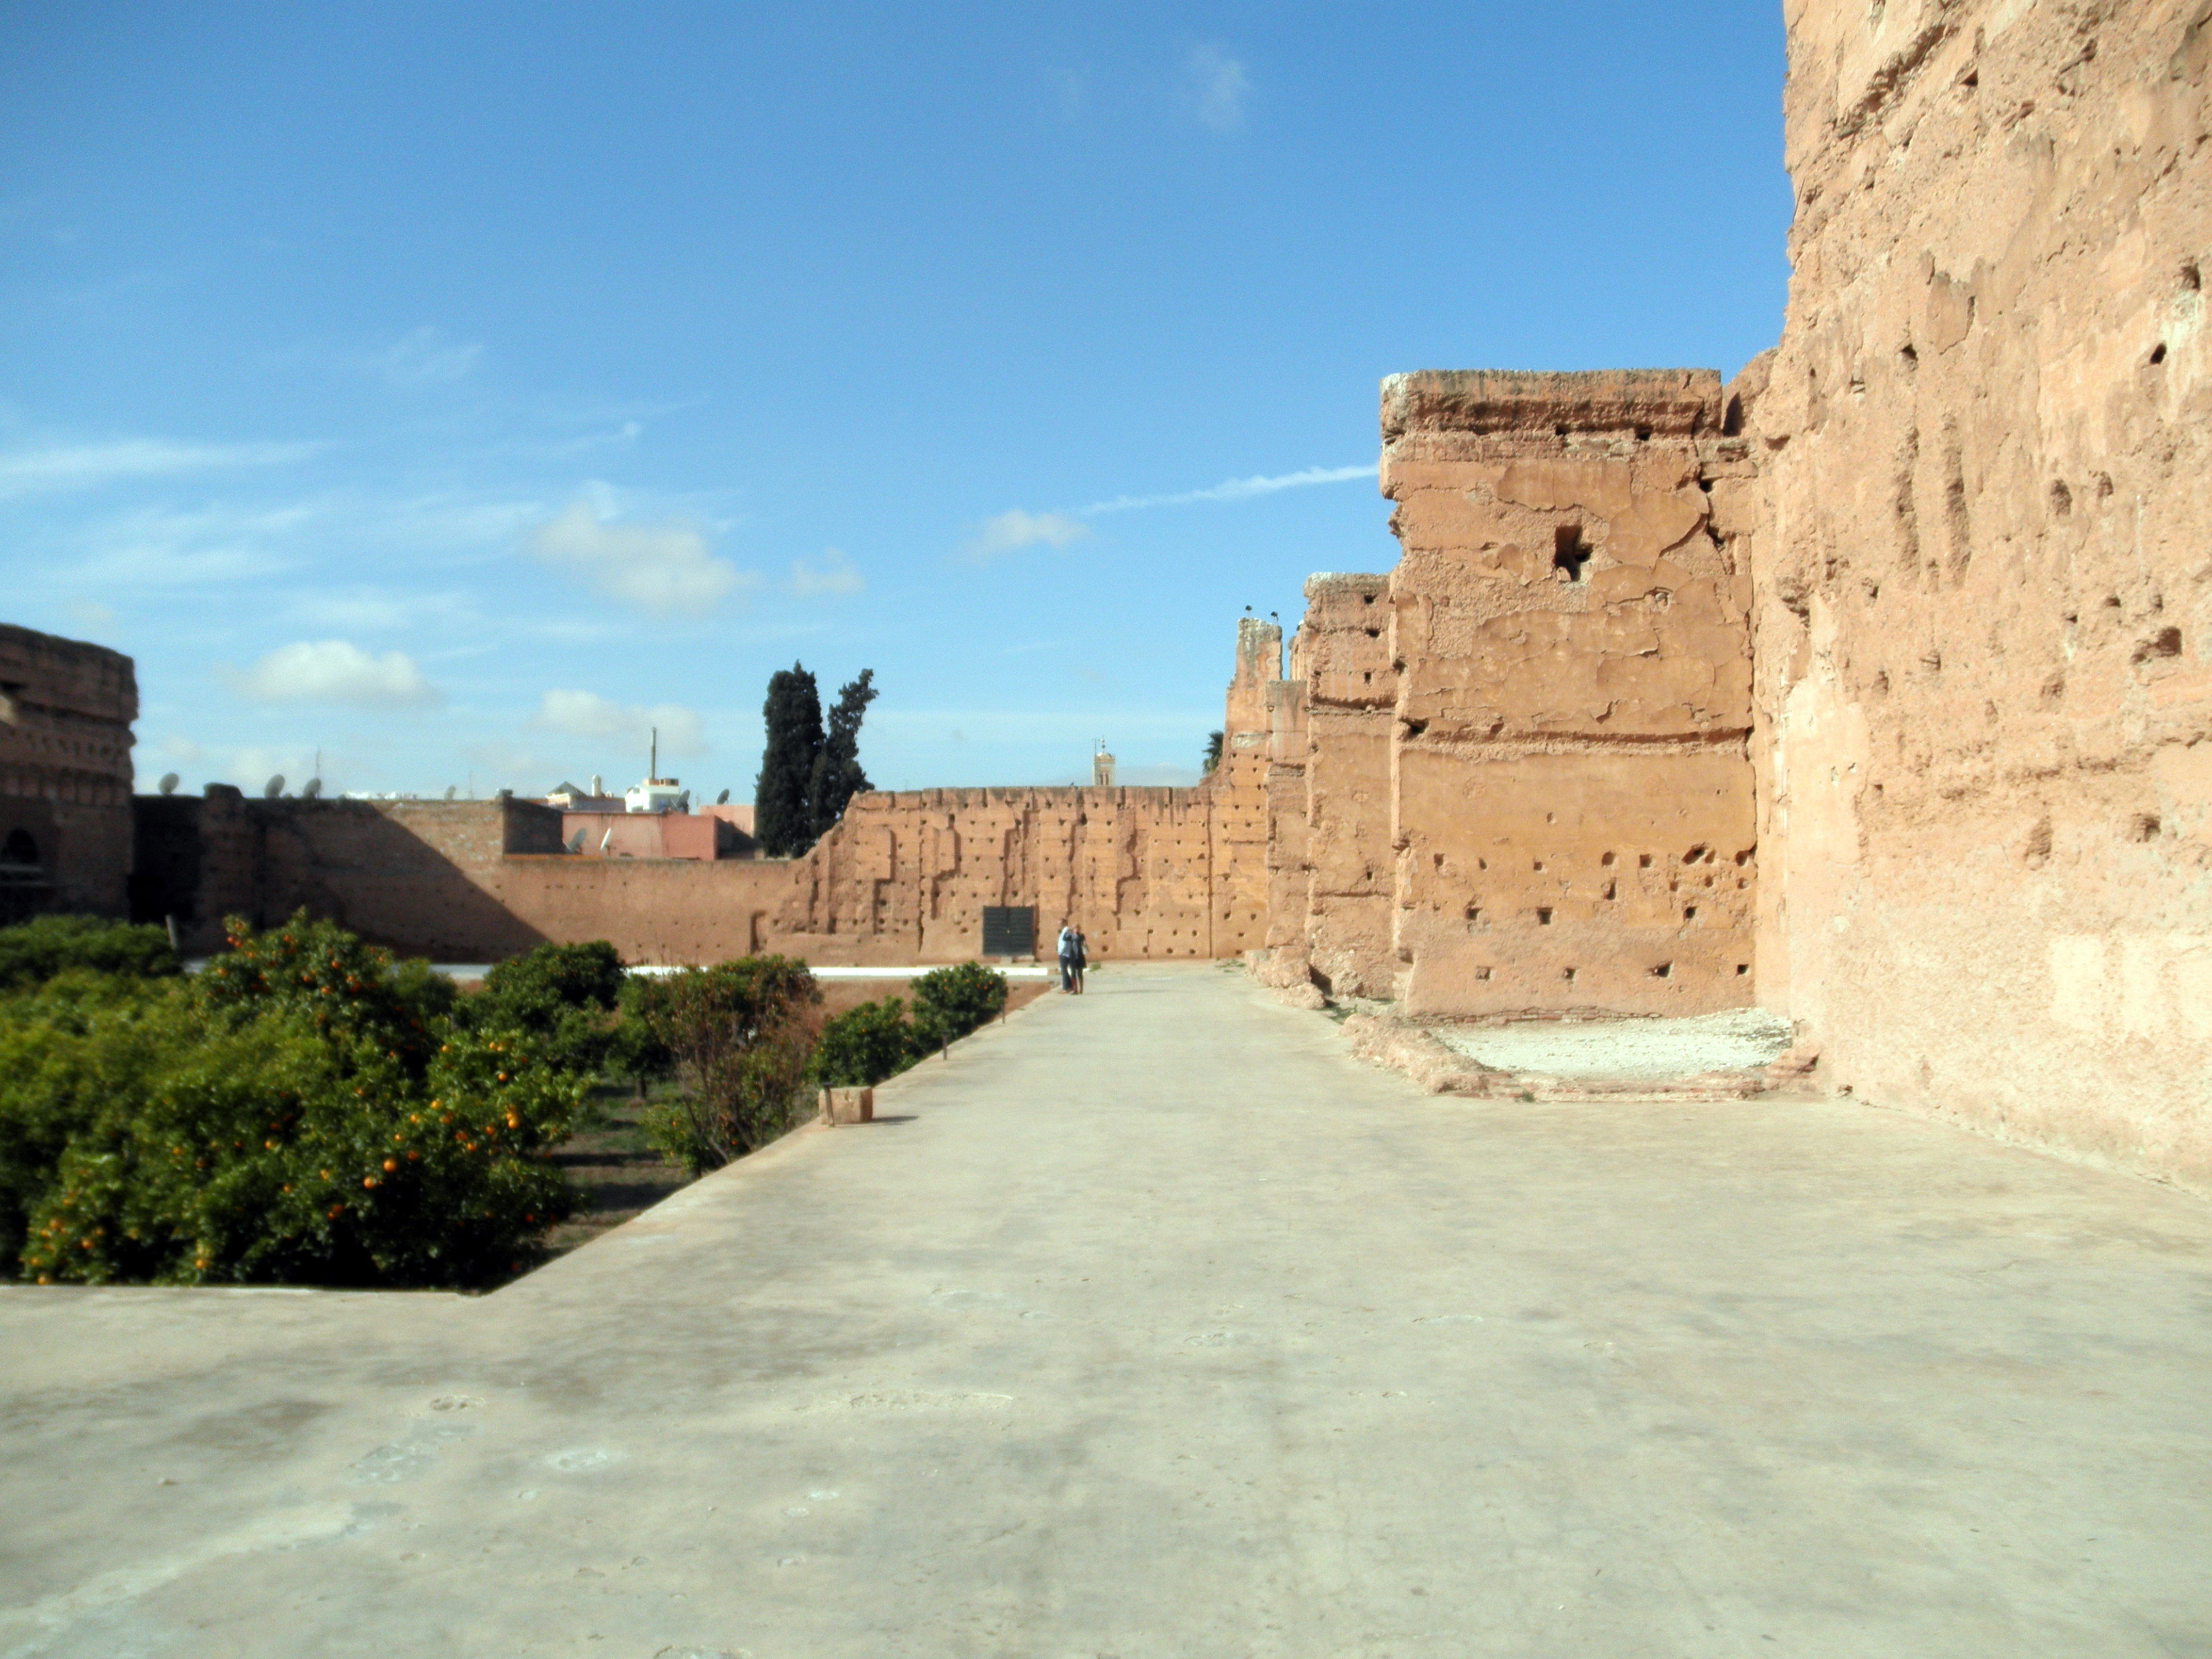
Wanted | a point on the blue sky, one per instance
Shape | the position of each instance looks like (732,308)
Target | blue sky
(456,390)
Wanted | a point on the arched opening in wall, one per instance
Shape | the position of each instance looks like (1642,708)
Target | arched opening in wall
(1570,553)
(23,884)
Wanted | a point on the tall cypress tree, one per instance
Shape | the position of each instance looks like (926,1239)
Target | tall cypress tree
(783,817)
(837,776)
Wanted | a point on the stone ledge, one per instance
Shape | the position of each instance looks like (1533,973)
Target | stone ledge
(1675,402)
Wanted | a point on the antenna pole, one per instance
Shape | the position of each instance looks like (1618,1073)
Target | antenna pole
(652,763)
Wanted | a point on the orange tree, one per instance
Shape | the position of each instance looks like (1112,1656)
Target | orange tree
(305,1111)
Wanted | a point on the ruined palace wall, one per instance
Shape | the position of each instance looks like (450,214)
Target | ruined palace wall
(1341,655)
(1984,624)
(905,878)
(1572,806)
(65,714)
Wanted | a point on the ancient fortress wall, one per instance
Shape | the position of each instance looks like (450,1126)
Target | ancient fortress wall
(1985,620)
(65,715)
(1340,660)
(1526,785)
(903,878)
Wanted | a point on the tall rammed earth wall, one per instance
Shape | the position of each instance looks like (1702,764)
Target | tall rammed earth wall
(1520,767)
(65,714)
(905,878)
(1984,568)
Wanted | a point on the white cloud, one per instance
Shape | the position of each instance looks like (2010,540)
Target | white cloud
(663,568)
(1216,85)
(833,574)
(587,715)
(336,671)
(1238,489)
(426,357)
(1018,529)
(52,467)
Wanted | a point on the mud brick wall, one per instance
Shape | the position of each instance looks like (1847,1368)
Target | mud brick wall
(1341,653)
(65,713)
(1571,789)
(1984,617)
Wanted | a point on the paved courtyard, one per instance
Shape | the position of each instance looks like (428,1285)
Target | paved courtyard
(1150,1323)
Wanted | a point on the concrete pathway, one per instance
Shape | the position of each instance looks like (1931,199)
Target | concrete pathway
(1149,1323)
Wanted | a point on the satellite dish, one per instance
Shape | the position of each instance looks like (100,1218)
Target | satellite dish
(169,785)
(451,790)
(722,799)
(311,789)
(274,788)
(576,841)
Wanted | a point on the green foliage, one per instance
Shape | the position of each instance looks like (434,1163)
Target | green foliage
(635,1049)
(349,991)
(1213,740)
(863,1046)
(793,712)
(740,1035)
(807,776)
(34,952)
(837,777)
(303,1112)
(951,1002)
(559,995)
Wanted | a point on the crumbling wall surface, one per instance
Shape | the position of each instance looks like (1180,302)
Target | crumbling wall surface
(65,714)
(1341,653)
(1571,798)
(1984,618)
(909,873)
(1288,868)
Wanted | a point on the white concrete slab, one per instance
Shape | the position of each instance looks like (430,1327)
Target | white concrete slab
(1149,1323)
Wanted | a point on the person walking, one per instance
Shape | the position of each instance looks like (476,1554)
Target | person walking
(1082,959)
(1068,948)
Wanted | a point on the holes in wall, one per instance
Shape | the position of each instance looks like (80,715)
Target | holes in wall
(1732,419)
(1644,435)
(1367,599)
(1742,857)
(2167,642)
(1700,851)
(1606,860)
(1568,975)
(1742,969)
(1909,356)
(1474,912)
(1482,973)
(1543,916)
(1689,913)
(1570,553)
(1644,860)
(2061,500)
(1415,728)
(2143,826)
(1664,970)
(1611,887)
(1374,633)
(2192,279)
(1538,865)
(2157,353)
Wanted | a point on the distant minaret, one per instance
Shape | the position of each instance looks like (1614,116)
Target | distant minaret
(1101,767)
